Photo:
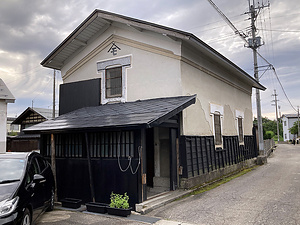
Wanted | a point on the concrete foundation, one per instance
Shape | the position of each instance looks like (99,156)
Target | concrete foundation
(187,183)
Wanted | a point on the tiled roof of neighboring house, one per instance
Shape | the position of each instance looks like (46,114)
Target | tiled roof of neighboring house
(46,113)
(26,136)
(99,21)
(290,115)
(10,119)
(5,93)
(141,113)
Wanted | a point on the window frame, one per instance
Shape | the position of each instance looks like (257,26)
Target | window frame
(240,129)
(239,116)
(217,128)
(125,63)
(218,110)
(119,94)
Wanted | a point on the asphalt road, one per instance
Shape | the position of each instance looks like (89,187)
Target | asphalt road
(270,194)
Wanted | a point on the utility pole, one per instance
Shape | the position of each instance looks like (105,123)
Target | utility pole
(279,114)
(53,108)
(275,100)
(298,123)
(255,43)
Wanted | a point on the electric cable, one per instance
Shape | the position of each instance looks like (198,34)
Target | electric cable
(283,89)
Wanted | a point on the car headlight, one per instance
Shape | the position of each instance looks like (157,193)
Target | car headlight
(8,206)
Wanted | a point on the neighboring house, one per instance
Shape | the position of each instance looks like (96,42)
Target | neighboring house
(28,142)
(288,121)
(5,97)
(152,106)
(12,128)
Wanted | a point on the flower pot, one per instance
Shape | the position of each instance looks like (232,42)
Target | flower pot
(119,211)
(71,203)
(96,207)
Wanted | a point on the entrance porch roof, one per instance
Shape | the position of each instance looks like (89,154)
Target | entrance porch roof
(138,114)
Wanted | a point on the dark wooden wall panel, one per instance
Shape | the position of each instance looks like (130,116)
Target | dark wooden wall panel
(199,156)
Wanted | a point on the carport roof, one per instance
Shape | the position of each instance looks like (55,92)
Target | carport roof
(141,113)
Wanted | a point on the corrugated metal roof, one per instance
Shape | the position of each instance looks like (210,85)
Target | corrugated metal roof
(5,93)
(142,113)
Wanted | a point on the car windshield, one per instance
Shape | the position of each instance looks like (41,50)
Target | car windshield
(11,170)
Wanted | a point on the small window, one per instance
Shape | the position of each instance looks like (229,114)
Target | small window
(218,134)
(240,127)
(285,123)
(113,82)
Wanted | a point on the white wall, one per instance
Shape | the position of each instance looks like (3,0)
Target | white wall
(221,88)
(3,118)
(289,123)
(162,67)
(154,71)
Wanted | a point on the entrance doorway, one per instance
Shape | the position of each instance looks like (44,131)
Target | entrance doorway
(158,160)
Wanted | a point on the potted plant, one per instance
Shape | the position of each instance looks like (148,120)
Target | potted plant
(119,205)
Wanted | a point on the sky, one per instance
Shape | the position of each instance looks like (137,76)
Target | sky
(31,29)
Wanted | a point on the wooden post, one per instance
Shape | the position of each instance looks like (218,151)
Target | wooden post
(144,164)
(90,168)
(53,165)
(178,163)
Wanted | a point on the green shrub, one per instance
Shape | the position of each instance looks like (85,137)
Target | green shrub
(119,201)
(269,134)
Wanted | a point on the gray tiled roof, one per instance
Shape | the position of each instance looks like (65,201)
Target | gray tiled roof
(145,113)
(45,113)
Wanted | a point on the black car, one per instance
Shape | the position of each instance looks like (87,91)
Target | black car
(26,187)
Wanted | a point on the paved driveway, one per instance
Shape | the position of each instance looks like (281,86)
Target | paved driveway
(269,194)
(67,217)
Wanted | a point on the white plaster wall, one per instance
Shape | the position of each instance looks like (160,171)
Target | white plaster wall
(157,70)
(3,118)
(154,71)
(197,119)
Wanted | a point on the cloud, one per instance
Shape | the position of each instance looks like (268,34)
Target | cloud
(31,29)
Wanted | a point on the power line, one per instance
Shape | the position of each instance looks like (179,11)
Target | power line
(283,89)
(283,31)
(254,45)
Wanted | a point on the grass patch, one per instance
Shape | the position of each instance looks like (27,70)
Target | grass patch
(208,186)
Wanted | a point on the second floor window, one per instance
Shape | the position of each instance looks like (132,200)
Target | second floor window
(113,82)
(217,124)
(240,127)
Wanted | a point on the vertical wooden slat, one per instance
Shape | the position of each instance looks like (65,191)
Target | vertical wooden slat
(53,164)
(90,167)
(197,156)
